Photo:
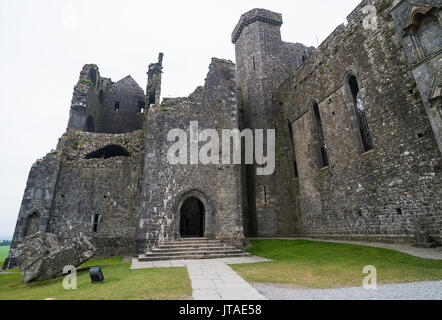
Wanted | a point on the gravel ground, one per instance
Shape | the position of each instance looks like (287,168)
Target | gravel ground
(407,291)
(433,253)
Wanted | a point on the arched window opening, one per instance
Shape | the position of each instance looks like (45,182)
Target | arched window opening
(32,224)
(359,108)
(319,133)
(107,152)
(429,33)
(192,218)
(90,127)
(101,97)
(292,144)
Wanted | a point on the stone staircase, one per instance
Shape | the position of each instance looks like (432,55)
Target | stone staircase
(192,249)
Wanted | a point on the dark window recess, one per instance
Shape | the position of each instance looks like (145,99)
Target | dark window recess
(117,106)
(265,195)
(323,156)
(90,127)
(93,76)
(141,106)
(292,142)
(152,99)
(367,142)
(254,64)
(95,224)
(399,211)
(109,152)
(101,97)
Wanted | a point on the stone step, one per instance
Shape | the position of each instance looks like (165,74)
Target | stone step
(156,252)
(192,246)
(192,249)
(193,257)
(193,242)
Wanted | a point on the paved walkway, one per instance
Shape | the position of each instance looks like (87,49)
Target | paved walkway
(431,290)
(426,253)
(212,279)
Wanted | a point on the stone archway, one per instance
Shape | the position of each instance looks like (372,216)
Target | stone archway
(192,218)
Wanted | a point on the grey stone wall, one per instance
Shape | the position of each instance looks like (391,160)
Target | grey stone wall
(264,61)
(165,187)
(37,201)
(419,27)
(102,106)
(109,188)
(375,195)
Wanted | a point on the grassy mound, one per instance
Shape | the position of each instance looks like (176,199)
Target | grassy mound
(120,283)
(330,265)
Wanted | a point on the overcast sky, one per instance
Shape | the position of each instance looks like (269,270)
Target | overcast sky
(45,43)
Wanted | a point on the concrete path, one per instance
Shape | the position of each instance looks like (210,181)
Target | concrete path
(431,290)
(212,279)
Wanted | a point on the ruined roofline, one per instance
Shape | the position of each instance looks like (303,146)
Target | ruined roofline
(200,87)
(254,15)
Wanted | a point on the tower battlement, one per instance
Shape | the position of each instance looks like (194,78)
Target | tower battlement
(254,15)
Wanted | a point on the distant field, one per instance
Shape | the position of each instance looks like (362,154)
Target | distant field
(4,253)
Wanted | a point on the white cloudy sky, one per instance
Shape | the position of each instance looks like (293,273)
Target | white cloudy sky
(45,43)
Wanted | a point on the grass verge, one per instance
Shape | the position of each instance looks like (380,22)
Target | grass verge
(120,283)
(311,264)
(4,251)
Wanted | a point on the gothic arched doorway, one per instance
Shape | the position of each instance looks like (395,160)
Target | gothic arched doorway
(192,218)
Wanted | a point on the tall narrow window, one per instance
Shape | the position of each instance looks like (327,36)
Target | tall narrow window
(292,145)
(101,97)
(319,133)
(254,64)
(266,195)
(117,106)
(96,220)
(359,109)
(90,127)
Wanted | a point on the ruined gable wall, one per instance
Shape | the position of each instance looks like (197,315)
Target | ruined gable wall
(94,101)
(358,195)
(109,188)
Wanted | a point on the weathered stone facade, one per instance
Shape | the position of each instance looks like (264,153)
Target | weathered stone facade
(358,142)
(377,193)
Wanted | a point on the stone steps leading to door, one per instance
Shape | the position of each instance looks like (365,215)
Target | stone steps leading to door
(192,249)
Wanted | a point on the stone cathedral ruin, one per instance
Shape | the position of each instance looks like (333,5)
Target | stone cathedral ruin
(358,143)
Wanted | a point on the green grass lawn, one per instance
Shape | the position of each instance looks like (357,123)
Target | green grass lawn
(120,283)
(330,265)
(4,253)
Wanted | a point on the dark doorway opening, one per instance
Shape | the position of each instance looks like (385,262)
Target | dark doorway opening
(192,219)
(90,127)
